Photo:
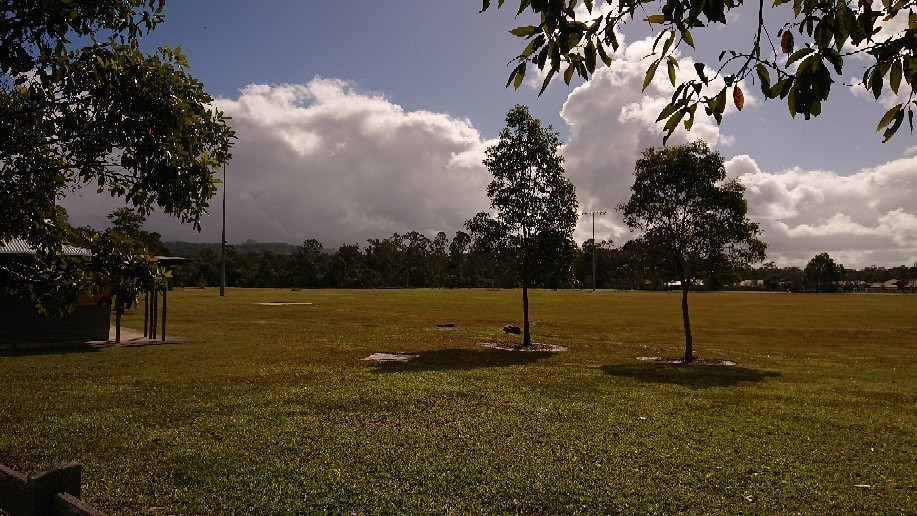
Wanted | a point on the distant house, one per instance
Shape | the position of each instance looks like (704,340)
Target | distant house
(676,285)
(885,287)
(22,324)
(751,283)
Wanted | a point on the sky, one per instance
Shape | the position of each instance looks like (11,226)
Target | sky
(359,119)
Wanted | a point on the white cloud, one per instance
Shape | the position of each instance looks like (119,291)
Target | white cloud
(861,219)
(324,160)
(866,218)
(611,121)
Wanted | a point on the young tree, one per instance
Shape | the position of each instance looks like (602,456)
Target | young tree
(125,270)
(881,34)
(82,105)
(822,273)
(692,218)
(532,198)
(130,224)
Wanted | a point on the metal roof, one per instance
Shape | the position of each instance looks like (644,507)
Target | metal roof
(20,246)
(173,260)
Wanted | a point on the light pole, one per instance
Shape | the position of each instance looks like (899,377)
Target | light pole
(594,213)
(223,241)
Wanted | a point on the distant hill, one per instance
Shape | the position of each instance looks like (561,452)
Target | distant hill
(190,249)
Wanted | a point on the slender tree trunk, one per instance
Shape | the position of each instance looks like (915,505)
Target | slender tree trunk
(689,345)
(526,336)
(118,321)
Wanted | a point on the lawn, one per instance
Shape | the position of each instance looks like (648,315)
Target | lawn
(272,410)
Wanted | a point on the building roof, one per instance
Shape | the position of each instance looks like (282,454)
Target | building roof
(172,260)
(20,246)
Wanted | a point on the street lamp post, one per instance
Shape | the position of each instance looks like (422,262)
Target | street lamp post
(223,241)
(594,213)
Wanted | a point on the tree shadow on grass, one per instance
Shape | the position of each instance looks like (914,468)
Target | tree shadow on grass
(696,376)
(55,349)
(460,360)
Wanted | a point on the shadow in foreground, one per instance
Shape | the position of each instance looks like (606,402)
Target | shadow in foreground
(697,376)
(461,360)
(54,349)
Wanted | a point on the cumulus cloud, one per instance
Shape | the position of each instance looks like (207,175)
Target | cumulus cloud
(611,120)
(324,160)
(861,219)
(866,218)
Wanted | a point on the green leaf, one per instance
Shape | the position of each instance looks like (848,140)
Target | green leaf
(791,102)
(720,106)
(666,111)
(876,83)
(689,123)
(673,120)
(686,35)
(895,78)
(533,45)
(887,117)
(699,68)
(512,75)
(765,79)
(603,55)
(668,43)
(589,5)
(656,18)
(590,56)
(799,54)
(650,72)
(568,73)
(520,75)
(899,117)
(671,64)
(527,30)
(547,80)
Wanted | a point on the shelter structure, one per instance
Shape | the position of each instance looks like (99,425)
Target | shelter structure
(22,324)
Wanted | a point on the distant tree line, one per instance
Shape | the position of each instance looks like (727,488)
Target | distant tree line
(413,260)
(823,274)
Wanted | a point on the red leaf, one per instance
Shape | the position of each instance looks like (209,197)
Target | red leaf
(786,42)
(738,97)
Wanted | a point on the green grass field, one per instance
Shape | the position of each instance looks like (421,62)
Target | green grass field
(272,410)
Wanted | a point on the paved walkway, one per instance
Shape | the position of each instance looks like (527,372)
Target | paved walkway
(132,337)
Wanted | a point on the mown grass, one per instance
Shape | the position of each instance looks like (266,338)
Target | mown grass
(271,410)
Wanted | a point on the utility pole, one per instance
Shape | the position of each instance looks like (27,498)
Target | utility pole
(594,213)
(223,241)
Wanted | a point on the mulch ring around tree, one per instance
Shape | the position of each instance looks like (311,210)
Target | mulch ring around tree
(535,346)
(681,360)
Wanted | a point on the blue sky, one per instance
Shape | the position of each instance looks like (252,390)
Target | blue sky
(357,119)
(448,57)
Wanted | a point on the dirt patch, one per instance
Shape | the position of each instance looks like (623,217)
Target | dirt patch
(681,360)
(535,346)
(391,357)
(280,303)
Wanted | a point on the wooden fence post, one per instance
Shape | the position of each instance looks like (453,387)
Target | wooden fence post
(43,486)
(13,491)
(52,492)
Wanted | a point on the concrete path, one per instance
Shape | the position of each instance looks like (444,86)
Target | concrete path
(132,337)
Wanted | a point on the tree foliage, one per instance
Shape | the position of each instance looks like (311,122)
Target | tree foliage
(691,218)
(822,273)
(82,106)
(797,62)
(535,203)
